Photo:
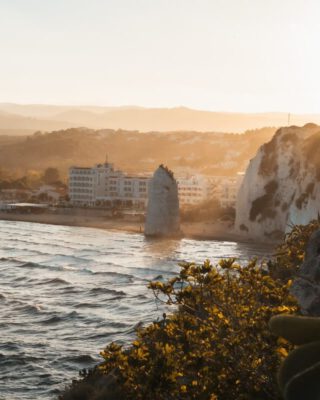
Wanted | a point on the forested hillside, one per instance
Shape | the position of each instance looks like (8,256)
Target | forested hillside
(132,151)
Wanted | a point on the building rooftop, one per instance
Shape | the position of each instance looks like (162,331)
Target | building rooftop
(32,205)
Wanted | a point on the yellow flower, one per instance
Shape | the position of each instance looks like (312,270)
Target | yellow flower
(183,388)
(282,351)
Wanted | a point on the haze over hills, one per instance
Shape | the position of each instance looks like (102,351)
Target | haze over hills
(207,152)
(24,119)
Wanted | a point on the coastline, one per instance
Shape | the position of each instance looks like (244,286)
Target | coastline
(195,230)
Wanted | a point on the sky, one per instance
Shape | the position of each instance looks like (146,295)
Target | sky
(221,55)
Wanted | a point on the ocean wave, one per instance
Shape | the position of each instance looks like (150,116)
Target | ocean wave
(35,265)
(10,260)
(14,360)
(88,305)
(104,290)
(30,265)
(79,359)
(54,281)
(118,275)
(52,320)
(30,308)
(72,290)
(103,335)
(56,319)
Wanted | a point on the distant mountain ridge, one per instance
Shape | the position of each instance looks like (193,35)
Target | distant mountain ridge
(34,117)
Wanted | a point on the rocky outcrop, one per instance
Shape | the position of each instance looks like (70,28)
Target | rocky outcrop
(306,287)
(163,205)
(298,376)
(281,186)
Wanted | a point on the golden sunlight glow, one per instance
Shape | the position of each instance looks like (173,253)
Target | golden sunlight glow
(231,55)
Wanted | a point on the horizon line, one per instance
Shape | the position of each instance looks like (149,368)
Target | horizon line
(135,106)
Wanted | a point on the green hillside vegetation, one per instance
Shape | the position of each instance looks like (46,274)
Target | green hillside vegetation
(208,210)
(132,151)
(216,344)
(32,180)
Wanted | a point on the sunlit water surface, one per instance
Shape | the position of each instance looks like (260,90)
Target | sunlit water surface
(65,292)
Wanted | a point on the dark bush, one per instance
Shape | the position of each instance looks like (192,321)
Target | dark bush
(290,254)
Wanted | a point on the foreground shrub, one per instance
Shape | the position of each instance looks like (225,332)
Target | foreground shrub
(216,345)
(290,254)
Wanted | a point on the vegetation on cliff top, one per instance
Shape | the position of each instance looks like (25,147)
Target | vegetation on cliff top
(290,253)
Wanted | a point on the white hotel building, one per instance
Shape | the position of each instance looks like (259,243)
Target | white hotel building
(102,185)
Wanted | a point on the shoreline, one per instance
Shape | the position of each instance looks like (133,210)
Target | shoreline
(191,230)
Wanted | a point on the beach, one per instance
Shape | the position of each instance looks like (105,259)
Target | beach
(193,230)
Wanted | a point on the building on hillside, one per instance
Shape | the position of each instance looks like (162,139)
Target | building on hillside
(195,189)
(225,188)
(102,185)
(15,194)
(24,208)
(192,189)
(50,193)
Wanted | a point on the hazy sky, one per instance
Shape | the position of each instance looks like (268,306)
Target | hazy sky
(233,55)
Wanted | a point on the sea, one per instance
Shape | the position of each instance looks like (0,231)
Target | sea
(67,292)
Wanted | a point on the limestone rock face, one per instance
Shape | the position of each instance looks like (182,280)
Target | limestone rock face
(163,205)
(281,186)
(306,287)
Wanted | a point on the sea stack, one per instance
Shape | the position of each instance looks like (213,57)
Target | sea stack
(163,218)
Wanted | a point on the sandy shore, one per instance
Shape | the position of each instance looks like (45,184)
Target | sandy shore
(199,230)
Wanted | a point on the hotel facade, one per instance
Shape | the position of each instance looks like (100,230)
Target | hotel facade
(104,186)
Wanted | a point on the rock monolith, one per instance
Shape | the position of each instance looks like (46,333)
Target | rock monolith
(163,219)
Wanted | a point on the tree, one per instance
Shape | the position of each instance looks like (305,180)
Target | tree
(51,175)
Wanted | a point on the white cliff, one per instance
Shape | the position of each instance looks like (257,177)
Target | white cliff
(281,186)
(163,205)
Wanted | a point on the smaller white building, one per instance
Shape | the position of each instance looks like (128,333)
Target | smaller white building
(225,189)
(49,191)
(195,189)
(192,189)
